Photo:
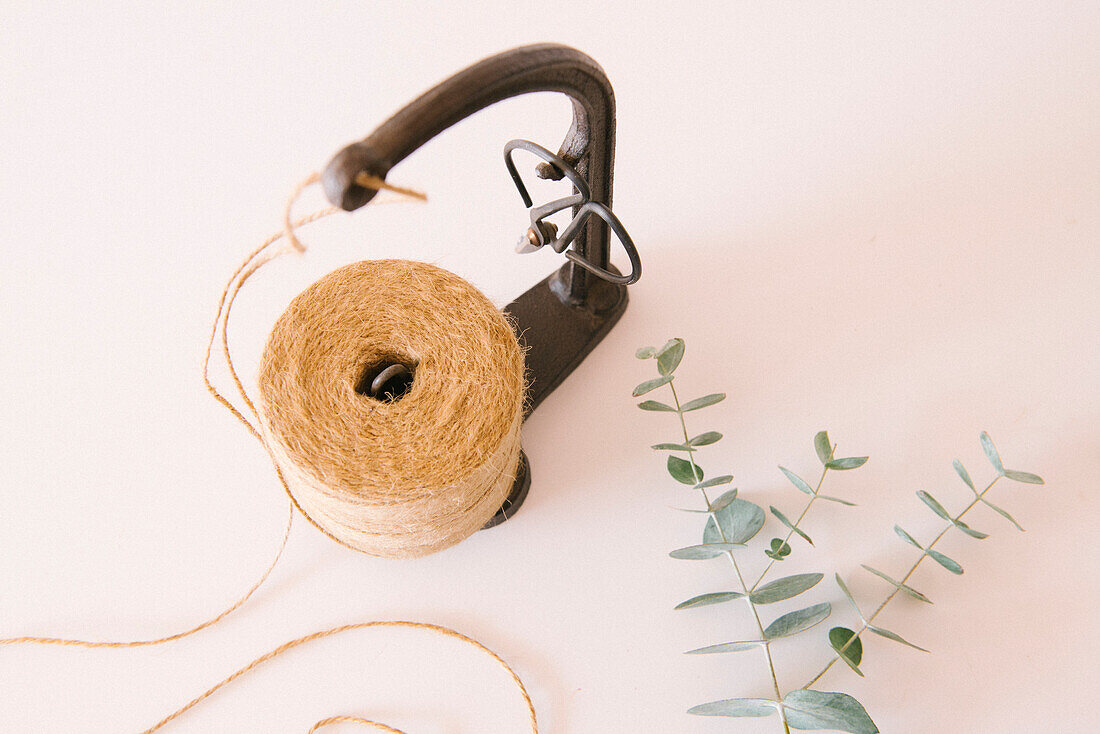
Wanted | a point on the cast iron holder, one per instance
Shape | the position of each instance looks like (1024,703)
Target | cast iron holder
(564,316)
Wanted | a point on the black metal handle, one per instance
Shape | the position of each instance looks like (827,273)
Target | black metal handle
(589,146)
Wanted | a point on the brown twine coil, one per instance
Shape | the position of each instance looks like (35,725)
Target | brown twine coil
(398,478)
(403,477)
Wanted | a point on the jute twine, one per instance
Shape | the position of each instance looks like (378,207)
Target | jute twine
(417,474)
(397,479)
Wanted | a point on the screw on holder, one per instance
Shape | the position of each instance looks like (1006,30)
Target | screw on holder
(542,233)
(562,318)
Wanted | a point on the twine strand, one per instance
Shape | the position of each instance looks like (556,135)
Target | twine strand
(287,646)
(353,720)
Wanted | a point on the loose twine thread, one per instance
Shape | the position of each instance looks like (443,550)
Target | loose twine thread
(259,257)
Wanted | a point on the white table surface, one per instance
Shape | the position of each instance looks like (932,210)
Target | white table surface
(876,218)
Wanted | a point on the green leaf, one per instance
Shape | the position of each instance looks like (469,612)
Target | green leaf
(645,353)
(671,447)
(944,561)
(703,402)
(797,481)
(669,356)
(898,585)
(1003,513)
(792,623)
(785,588)
(1023,476)
(724,499)
(805,708)
(991,453)
(703,552)
(779,549)
(936,506)
(683,471)
(823,447)
(969,530)
(844,587)
(706,439)
(739,521)
(962,472)
(895,637)
(852,462)
(837,499)
(656,407)
(714,481)
(783,519)
(715,597)
(650,385)
(726,647)
(736,707)
(850,655)
(907,537)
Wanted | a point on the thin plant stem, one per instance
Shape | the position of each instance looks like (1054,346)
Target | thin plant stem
(888,599)
(695,472)
(790,532)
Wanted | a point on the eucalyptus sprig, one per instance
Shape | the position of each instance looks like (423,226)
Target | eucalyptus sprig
(846,642)
(731,523)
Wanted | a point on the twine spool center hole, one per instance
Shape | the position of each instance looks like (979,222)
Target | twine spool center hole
(388,378)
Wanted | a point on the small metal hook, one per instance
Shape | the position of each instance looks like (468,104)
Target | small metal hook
(542,233)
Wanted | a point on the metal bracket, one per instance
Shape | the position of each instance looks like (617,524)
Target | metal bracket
(562,318)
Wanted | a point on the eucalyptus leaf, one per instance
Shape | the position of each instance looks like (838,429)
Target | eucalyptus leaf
(645,353)
(724,499)
(792,623)
(935,505)
(669,356)
(844,587)
(714,481)
(715,597)
(823,447)
(907,537)
(726,647)
(851,462)
(898,585)
(706,439)
(963,473)
(837,499)
(683,471)
(797,481)
(650,385)
(703,402)
(1003,513)
(1023,476)
(653,405)
(944,561)
(794,528)
(737,522)
(671,447)
(703,552)
(807,709)
(785,588)
(779,549)
(894,636)
(850,655)
(991,453)
(739,707)
(970,531)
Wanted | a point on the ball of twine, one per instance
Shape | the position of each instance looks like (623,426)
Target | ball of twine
(400,475)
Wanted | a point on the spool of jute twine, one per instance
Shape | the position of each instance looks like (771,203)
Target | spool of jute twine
(398,473)
(412,471)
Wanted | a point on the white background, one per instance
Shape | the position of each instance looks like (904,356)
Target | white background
(876,218)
